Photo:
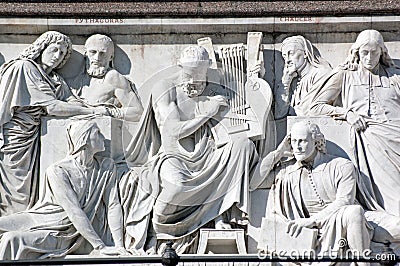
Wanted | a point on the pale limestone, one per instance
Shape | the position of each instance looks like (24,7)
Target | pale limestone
(144,47)
(311,189)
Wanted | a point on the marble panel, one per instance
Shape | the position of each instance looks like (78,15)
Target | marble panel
(128,134)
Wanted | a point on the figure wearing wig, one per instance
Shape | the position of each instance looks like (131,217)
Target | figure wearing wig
(29,89)
(368,85)
(304,70)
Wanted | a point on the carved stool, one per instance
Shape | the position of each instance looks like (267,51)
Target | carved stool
(227,241)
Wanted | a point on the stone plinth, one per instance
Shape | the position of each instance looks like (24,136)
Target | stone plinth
(228,241)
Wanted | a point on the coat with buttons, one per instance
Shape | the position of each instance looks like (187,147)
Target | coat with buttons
(376,150)
(372,95)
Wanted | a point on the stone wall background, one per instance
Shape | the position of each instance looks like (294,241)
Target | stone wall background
(146,44)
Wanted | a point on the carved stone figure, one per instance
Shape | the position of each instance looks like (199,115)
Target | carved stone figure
(191,181)
(315,190)
(368,85)
(304,71)
(29,89)
(101,85)
(79,193)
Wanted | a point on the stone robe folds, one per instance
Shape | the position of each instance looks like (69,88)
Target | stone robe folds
(376,151)
(335,182)
(182,191)
(303,90)
(25,91)
(45,230)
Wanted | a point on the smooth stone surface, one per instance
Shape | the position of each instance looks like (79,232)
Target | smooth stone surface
(273,238)
(148,50)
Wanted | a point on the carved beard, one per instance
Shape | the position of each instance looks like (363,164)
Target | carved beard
(193,89)
(95,71)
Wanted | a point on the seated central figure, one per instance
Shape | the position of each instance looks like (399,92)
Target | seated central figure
(190,182)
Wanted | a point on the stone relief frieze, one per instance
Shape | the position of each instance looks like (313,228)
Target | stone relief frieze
(98,164)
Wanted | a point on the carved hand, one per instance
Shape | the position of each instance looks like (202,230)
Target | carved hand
(285,149)
(215,103)
(289,73)
(356,121)
(294,227)
(257,69)
(100,110)
(113,251)
(116,112)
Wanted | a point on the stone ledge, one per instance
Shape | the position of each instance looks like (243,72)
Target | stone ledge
(233,25)
(197,8)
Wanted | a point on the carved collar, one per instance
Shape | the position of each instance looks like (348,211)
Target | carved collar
(319,160)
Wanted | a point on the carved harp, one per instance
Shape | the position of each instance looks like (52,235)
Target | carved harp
(249,96)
